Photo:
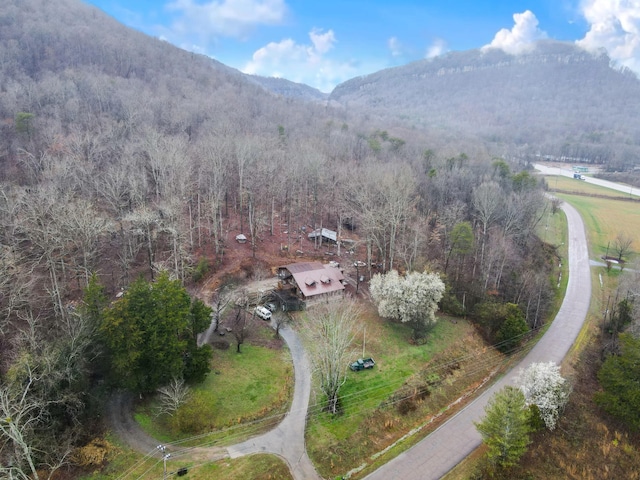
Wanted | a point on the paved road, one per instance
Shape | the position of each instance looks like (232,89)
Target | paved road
(442,450)
(596,181)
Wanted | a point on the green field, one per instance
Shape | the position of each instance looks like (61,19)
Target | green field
(604,219)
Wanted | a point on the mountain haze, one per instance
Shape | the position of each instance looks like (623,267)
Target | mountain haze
(557,99)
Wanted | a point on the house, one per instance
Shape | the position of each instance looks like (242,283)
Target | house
(241,238)
(324,234)
(312,281)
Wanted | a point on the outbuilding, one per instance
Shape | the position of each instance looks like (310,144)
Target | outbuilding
(324,235)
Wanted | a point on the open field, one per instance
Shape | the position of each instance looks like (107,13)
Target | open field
(565,184)
(606,218)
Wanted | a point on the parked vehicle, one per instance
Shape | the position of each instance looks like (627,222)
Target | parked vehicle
(263,312)
(362,364)
(270,306)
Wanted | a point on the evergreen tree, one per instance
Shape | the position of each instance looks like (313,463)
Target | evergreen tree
(151,334)
(505,428)
(620,377)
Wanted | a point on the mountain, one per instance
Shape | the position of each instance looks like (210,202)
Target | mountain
(557,99)
(289,89)
(69,67)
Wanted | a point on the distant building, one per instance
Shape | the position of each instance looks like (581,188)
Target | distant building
(312,281)
(241,238)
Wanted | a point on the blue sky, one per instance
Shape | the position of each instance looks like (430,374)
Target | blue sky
(325,42)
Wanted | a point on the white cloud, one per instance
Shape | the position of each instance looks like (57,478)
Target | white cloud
(521,37)
(301,63)
(227,18)
(395,46)
(614,25)
(437,48)
(322,42)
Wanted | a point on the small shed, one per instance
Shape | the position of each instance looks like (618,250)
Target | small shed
(324,234)
(241,238)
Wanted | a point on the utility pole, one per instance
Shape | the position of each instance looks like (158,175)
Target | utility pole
(165,456)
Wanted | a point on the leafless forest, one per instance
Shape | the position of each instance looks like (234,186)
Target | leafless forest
(123,155)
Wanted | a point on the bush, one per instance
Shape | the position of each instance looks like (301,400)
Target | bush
(201,270)
(190,418)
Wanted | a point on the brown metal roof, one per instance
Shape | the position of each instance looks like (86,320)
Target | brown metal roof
(314,278)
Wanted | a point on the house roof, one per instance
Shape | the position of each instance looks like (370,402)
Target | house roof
(314,278)
(325,233)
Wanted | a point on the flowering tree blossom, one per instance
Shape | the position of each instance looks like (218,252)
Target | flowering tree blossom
(544,387)
(411,298)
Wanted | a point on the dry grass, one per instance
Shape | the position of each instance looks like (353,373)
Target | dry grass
(566,184)
(604,219)
(587,444)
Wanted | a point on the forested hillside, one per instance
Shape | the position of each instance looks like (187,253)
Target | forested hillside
(557,100)
(121,155)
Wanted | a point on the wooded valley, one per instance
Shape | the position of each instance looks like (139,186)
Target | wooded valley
(124,157)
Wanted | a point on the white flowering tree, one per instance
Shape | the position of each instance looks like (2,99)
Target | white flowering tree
(544,387)
(412,298)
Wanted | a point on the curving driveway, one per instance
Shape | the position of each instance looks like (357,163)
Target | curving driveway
(287,439)
(447,446)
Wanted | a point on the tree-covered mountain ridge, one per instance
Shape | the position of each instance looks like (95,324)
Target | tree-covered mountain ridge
(556,99)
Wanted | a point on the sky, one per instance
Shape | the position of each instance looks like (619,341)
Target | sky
(325,42)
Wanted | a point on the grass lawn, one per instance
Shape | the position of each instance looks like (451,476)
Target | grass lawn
(409,386)
(125,464)
(242,389)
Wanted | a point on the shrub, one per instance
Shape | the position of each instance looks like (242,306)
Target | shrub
(201,270)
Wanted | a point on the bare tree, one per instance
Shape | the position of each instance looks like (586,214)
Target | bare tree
(84,227)
(220,299)
(280,320)
(172,396)
(239,320)
(622,244)
(329,333)
(145,222)
(22,412)
(19,414)
(486,203)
